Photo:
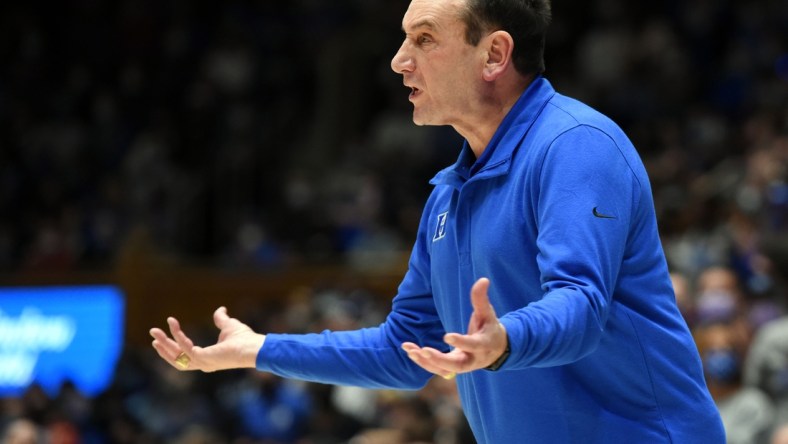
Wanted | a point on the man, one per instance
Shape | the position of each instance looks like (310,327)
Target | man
(547,218)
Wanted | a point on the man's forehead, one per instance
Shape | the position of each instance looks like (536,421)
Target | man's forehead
(431,14)
(421,23)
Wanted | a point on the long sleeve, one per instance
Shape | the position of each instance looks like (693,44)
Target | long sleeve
(585,204)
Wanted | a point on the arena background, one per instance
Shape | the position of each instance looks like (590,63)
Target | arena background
(260,155)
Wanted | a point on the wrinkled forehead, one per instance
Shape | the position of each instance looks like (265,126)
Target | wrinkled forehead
(436,15)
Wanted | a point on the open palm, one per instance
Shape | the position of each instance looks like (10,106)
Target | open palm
(236,347)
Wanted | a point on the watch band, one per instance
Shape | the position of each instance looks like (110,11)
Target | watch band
(501,359)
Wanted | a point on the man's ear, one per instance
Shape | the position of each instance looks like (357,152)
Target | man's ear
(499,46)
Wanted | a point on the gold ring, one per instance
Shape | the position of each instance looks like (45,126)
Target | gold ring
(450,376)
(183,361)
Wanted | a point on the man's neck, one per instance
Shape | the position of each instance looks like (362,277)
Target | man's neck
(492,110)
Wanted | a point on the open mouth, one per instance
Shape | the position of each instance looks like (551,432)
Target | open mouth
(414,92)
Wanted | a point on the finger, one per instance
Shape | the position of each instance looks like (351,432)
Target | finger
(469,343)
(165,354)
(417,355)
(443,364)
(157,333)
(427,365)
(412,350)
(169,350)
(410,347)
(163,342)
(480,299)
(220,317)
(434,361)
(455,360)
(179,336)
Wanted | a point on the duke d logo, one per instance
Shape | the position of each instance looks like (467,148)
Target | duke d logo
(440,230)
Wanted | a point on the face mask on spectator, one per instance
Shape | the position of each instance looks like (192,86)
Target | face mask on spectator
(721,366)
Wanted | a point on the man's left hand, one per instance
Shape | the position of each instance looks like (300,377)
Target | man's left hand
(484,343)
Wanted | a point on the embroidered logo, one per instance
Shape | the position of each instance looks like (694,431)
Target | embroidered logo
(440,229)
(602,216)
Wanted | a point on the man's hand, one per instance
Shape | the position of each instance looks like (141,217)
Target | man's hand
(484,343)
(237,346)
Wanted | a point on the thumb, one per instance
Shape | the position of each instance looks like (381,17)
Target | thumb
(480,299)
(220,317)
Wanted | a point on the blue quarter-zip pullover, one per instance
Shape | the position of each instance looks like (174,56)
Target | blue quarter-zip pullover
(558,214)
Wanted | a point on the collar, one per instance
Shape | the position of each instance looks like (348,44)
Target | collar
(496,157)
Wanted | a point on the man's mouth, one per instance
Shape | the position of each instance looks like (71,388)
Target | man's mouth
(414,92)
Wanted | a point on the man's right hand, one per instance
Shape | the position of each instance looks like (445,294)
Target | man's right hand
(237,346)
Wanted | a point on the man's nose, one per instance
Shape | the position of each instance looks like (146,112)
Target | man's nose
(402,61)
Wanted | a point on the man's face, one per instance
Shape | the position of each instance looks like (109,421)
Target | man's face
(441,68)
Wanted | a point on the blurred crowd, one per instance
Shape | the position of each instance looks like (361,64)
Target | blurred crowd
(259,134)
(151,402)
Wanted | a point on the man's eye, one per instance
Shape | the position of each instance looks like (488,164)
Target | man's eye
(422,39)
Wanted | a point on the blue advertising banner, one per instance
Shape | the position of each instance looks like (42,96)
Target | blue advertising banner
(52,335)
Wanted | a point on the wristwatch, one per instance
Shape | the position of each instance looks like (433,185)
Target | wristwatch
(501,359)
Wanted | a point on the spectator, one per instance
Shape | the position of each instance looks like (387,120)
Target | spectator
(766,367)
(268,408)
(747,413)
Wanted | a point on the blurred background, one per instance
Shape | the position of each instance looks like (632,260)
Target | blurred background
(261,155)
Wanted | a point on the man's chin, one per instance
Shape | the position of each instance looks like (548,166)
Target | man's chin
(419,120)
